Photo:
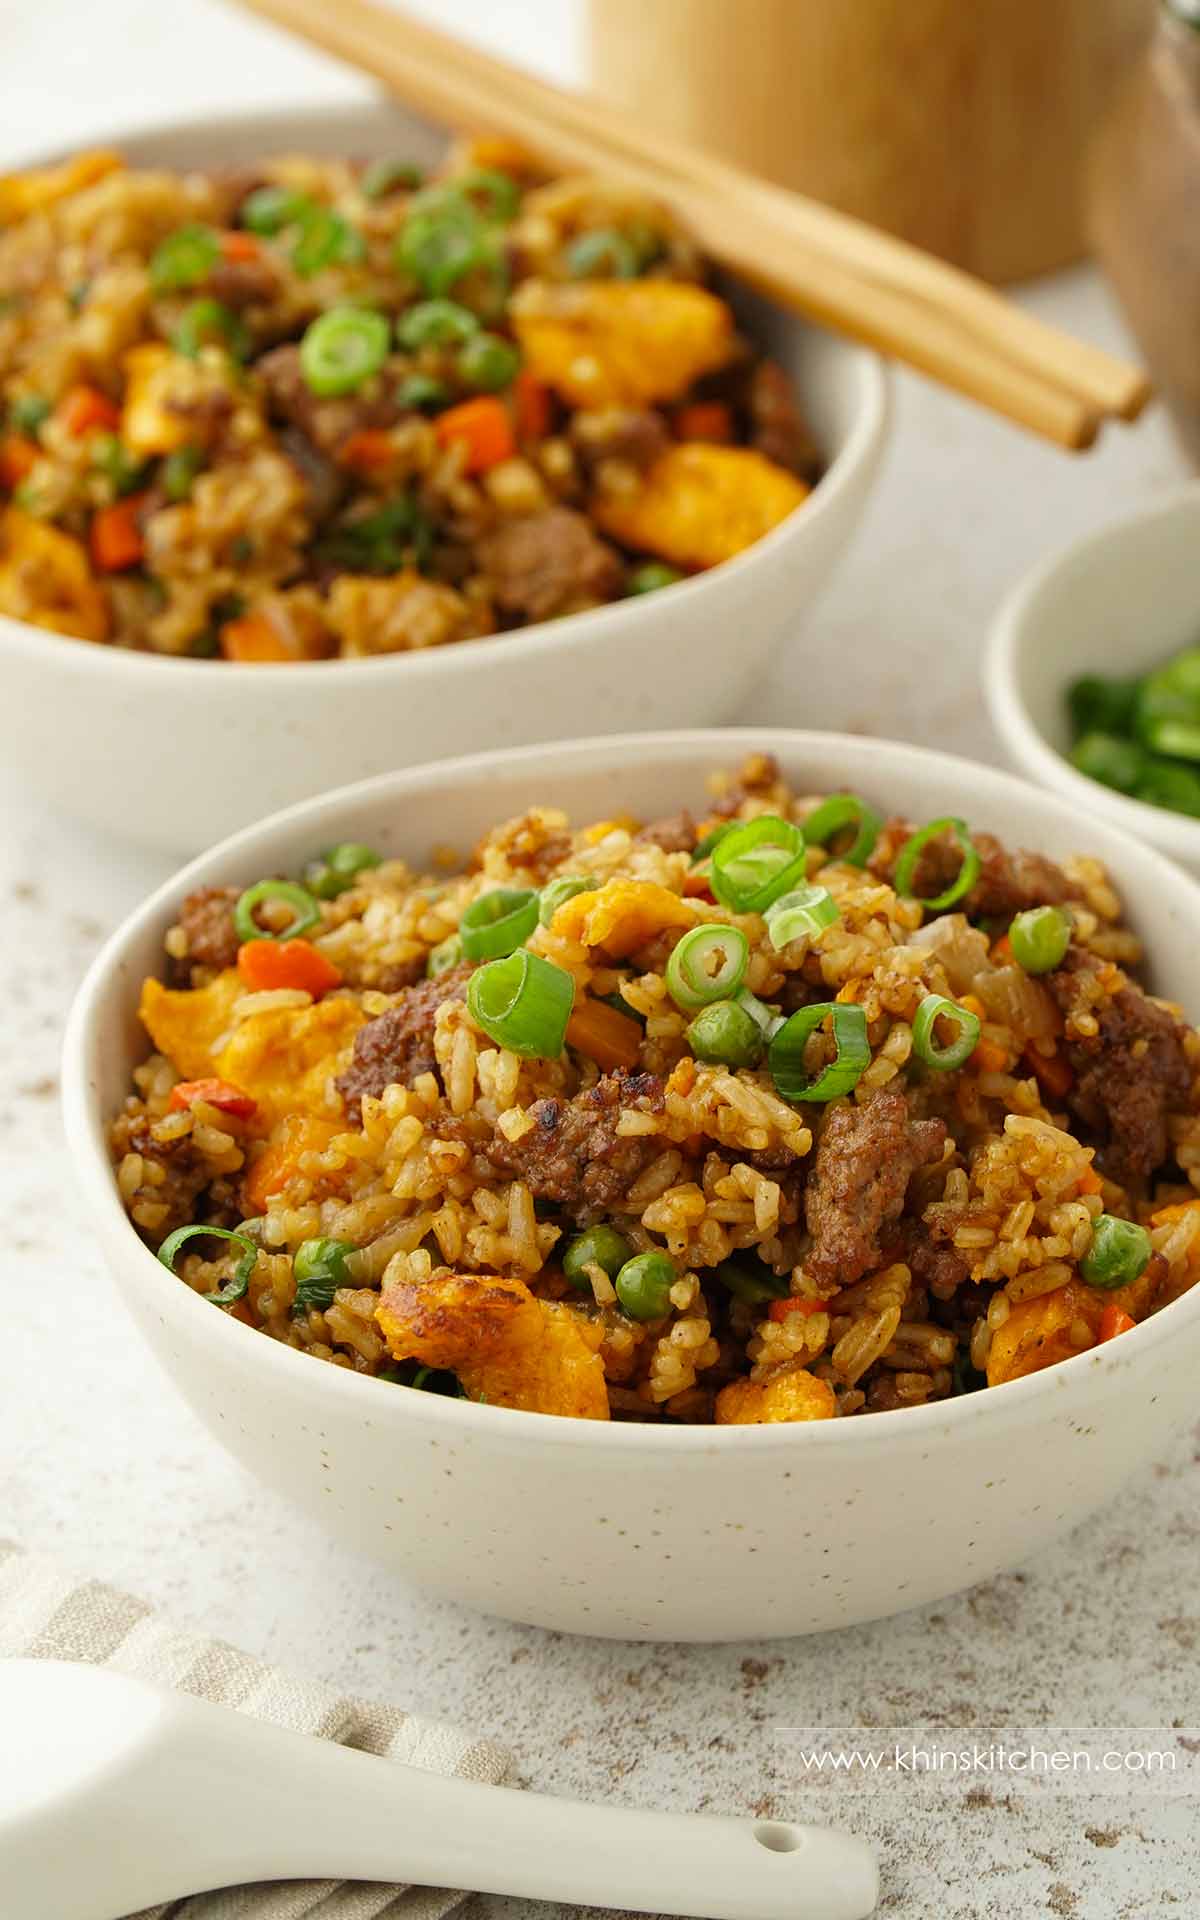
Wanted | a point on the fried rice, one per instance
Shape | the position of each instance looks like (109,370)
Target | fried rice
(961,1144)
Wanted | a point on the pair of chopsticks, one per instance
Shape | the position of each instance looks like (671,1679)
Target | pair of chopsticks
(836,271)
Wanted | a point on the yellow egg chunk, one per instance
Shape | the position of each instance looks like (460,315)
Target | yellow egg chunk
(285,1057)
(25,193)
(189,1024)
(148,426)
(795,1395)
(46,579)
(622,915)
(701,504)
(634,343)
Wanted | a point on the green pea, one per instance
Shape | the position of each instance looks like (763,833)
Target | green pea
(1118,1254)
(179,471)
(269,209)
(1040,938)
(319,1269)
(338,867)
(644,1285)
(435,323)
(651,576)
(488,362)
(726,1035)
(598,1247)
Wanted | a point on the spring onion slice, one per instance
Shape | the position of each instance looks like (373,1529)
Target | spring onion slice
(910,854)
(445,955)
(800,914)
(766,1018)
(957,1052)
(305,909)
(843,810)
(712,838)
(786,1057)
(708,964)
(756,863)
(557,892)
(523,1002)
(235,1289)
(498,922)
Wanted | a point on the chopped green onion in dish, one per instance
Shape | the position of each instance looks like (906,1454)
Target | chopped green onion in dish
(498,922)
(390,176)
(325,240)
(342,348)
(524,1003)
(110,456)
(235,1289)
(842,1074)
(1118,1254)
(726,1035)
(557,892)
(487,362)
(1097,705)
(1115,763)
(445,955)
(713,838)
(603,252)
(392,537)
(753,1283)
(801,914)
(768,1020)
(1166,707)
(268,210)
(27,412)
(439,245)
(644,1285)
(1164,783)
(709,963)
(337,868)
(955,1053)
(1039,938)
(1141,737)
(496,195)
(209,323)
(599,1246)
(651,577)
(910,856)
(184,259)
(179,472)
(833,817)
(756,863)
(435,323)
(319,1269)
(306,914)
(422,393)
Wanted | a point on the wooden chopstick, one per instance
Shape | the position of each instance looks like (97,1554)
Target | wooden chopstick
(837,272)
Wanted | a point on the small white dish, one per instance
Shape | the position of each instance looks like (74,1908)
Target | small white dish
(177,753)
(1117,602)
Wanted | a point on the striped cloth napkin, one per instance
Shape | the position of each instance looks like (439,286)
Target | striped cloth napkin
(45,1614)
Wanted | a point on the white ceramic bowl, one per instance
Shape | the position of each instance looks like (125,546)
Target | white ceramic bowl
(666,1533)
(176,753)
(1117,602)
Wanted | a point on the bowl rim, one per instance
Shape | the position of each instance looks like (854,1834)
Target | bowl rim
(869,422)
(1002,681)
(86,1129)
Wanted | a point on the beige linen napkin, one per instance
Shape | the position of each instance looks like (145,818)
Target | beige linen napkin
(45,1614)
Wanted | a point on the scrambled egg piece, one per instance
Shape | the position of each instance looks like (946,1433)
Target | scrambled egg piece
(622,915)
(793,1395)
(701,504)
(25,193)
(609,343)
(148,426)
(505,1345)
(190,1024)
(45,578)
(1038,1333)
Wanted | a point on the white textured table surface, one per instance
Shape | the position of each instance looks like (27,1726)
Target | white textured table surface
(101,1462)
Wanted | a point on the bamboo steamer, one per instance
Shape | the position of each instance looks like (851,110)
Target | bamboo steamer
(959,124)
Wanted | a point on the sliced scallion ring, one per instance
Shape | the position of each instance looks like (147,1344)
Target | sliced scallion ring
(498,922)
(766,1018)
(756,863)
(955,1053)
(786,1058)
(524,1003)
(800,914)
(909,858)
(712,839)
(708,964)
(557,892)
(234,1289)
(305,909)
(833,816)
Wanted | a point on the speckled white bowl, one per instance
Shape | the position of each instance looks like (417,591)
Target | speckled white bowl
(1117,602)
(652,1533)
(176,753)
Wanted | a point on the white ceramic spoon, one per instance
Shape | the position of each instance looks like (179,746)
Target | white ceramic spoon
(115,1795)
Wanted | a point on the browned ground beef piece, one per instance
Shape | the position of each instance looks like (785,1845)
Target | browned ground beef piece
(1008,883)
(636,434)
(865,1159)
(206,917)
(777,427)
(325,485)
(1129,1077)
(244,283)
(574,1155)
(675,834)
(935,1265)
(326,423)
(549,563)
(395,1048)
(186,1175)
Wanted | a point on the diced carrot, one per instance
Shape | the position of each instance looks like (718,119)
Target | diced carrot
(482,427)
(237,246)
(973,1005)
(696,884)
(1115,1320)
(370,450)
(18,457)
(609,1038)
(1090,1181)
(705,420)
(989,1057)
(780,1309)
(1002,952)
(83,408)
(1052,1072)
(532,407)
(266,965)
(254,638)
(301,1133)
(116,537)
(214,1093)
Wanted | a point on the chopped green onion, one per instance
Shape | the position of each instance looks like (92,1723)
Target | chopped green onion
(523,1003)
(1039,938)
(325,240)
(445,955)
(488,362)
(651,577)
(210,323)
(853,1057)
(438,1380)
(387,176)
(604,251)
(713,838)
(342,348)
(184,258)
(1114,763)
(234,1289)
(620,1004)
(557,892)
(909,859)
(27,412)
(1101,706)
(420,393)
(498,922)
(957,1052)
(708,964)
(767,1019)
(726,1035)
(438,245)
(500,194)
(1160,784)
(338,868)
(1118,1254)
(305,909)
(318,1270)
(833,816)
(269,209)
(179,471)
(644,1285)
(112,458)
(435,323)
(801,914)
(754,1287)
(1166,708)
(600,1247)
(757,862)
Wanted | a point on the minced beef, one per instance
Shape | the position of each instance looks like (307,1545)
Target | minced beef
(865,1157)
(325,423)
(777,428)
(395,1048)
(674,834)
(1129,1077)
(549,563)
(206,917)
(1008,883)
(574,1155)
